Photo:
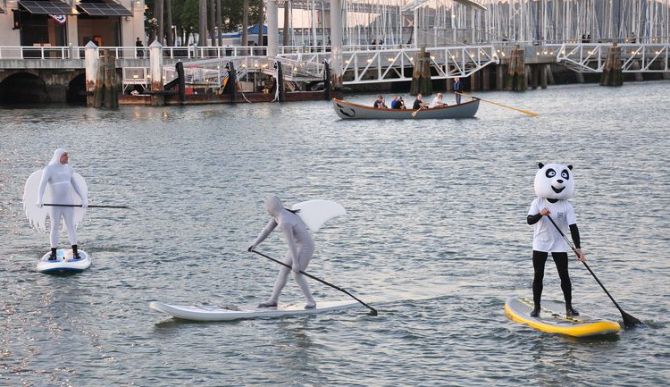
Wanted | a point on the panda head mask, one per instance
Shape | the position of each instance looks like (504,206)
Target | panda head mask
(554,181)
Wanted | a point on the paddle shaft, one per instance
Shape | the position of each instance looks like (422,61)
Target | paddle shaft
(79,205)
(628,319)
(526,112)
(372,310)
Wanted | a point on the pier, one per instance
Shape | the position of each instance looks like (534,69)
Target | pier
(512,45)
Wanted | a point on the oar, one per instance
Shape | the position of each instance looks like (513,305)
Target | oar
(524,111)
(79,205)
(373,311)
(628,320)
(414,112)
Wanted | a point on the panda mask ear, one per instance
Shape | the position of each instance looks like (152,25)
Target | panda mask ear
(540,165)
(570,167)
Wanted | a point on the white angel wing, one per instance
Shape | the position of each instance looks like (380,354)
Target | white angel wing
(37,216)
(317,212)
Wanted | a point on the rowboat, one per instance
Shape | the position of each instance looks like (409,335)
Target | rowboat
(349,110)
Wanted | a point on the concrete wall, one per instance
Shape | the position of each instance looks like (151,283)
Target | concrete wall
(51,85)
(8,36)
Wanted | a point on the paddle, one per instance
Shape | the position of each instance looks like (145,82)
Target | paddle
(526,112)
(628,320)
(79,205)
(414,112)
(373,311)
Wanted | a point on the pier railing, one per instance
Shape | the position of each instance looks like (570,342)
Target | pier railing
(636,58)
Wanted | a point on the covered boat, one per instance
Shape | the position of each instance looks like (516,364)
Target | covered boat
(349,110)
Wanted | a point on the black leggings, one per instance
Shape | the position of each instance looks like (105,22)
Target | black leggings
(561,261)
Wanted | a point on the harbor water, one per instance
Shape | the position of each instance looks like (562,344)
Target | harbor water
(435,238)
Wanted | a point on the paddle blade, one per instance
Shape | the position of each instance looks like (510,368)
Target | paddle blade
(630,321)
(317,212)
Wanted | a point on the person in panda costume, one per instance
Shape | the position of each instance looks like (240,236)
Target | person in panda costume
(554,185)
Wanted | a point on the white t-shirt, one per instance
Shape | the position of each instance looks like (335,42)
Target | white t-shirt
(545,236)
(436,102)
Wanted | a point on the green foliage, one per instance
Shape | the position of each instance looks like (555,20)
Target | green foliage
(185,13)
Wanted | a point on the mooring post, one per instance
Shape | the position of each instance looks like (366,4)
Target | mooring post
(91,59)
(421,81)
(156,73)
(280,83)
(612,73)
(111,98)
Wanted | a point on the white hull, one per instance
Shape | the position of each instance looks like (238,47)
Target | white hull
(64,263)
(214,313)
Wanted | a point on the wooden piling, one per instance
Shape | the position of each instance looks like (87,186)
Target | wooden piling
(612,73)
(486,78)
(549,75)
(516,78)
(500,77)
(280,83)
(474,81)
(533,73)
(421,81)
(105,93)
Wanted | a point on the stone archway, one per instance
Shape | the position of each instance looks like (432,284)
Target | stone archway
(23,88)
(76,90)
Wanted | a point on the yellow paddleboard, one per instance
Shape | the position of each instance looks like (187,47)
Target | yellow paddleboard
(552,319)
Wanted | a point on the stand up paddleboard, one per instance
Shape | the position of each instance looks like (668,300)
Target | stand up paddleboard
(228,313)
(64,264)
(552,319)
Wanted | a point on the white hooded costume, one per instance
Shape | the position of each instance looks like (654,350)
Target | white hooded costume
(301,248)
(62,182)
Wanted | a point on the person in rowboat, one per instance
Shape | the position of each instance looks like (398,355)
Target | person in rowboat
(458,88)
(300,249)
(380,103)
(419,103)
(59,176)
(438,101)
(554,185)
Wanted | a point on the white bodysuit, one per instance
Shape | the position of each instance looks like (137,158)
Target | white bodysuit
(60,179)
(300,243)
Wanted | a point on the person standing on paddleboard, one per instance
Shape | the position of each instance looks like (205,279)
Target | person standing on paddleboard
(554,185)
(300,249)
(59,176)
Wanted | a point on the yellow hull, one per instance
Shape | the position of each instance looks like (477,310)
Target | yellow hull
(550,321)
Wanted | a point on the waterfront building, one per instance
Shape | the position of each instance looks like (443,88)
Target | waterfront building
(57,23)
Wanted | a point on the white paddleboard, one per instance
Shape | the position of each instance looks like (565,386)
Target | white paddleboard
(64,263)
(227,313)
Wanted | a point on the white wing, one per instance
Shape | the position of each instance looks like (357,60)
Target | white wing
(317,212)
(37,216)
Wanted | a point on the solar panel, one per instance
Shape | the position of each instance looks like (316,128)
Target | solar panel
(104,9)
(46,7)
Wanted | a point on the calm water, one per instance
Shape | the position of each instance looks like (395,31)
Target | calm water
(435,238)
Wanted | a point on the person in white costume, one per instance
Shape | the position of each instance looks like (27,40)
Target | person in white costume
(300,249)
(59,176)
(554,185)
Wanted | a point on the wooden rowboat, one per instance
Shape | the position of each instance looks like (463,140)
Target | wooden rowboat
(349,110)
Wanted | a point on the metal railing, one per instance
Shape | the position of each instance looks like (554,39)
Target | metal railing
(636,58)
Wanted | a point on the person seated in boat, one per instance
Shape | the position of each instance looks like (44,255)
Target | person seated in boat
(397,103)
(419,103)
(438,101)
(379,103)
(300,251)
